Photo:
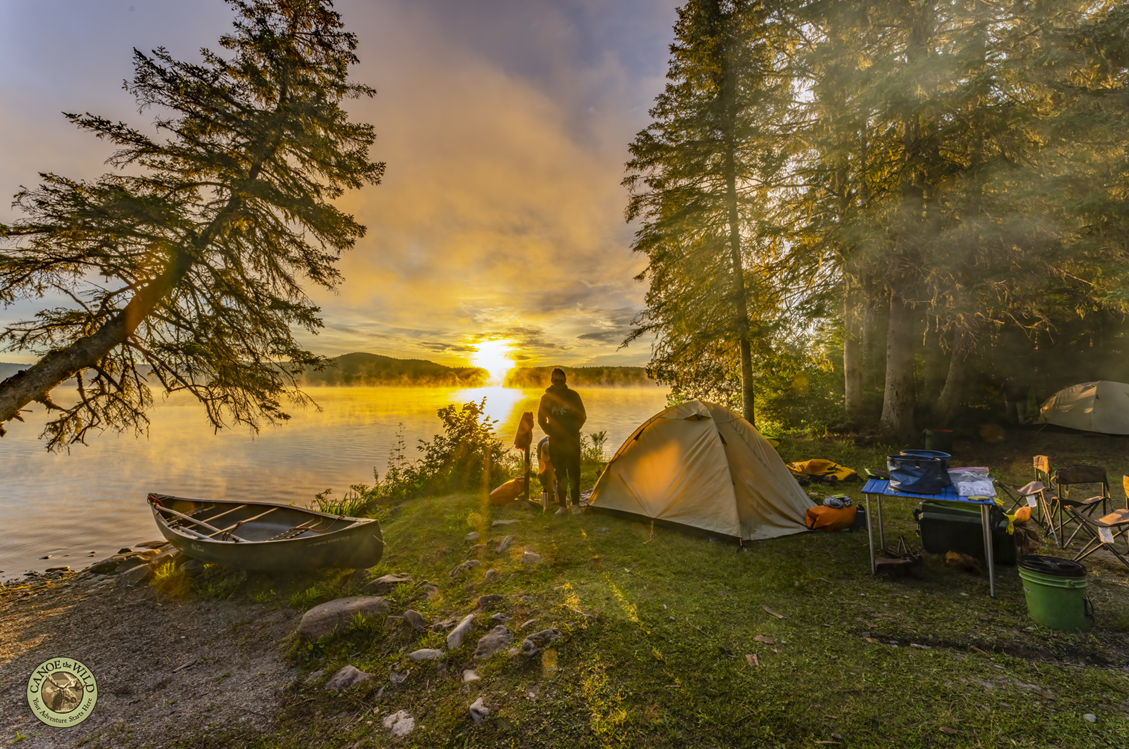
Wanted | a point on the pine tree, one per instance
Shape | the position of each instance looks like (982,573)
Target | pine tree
(699,179)
(205,253)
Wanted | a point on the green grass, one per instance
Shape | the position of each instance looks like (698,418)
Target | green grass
(657,630)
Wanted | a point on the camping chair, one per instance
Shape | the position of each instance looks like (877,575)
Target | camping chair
(1103,532)
(1061,501)
(1036,494)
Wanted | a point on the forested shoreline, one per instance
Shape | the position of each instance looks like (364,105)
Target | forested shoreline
(882,214)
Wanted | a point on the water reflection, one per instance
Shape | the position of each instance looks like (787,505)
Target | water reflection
(94,498)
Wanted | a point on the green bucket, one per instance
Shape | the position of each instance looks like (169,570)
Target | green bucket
(939,439)
(1056,592)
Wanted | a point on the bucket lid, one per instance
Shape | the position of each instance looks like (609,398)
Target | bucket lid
(926,454)
(1053,566)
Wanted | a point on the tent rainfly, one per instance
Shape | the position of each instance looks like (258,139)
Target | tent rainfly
(1101,406)
(702,465)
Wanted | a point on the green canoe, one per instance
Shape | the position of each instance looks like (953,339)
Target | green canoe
(266,537)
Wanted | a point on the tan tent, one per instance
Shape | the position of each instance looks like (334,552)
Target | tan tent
(702,465)
(1101,406)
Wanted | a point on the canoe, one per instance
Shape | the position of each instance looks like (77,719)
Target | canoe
(266,537)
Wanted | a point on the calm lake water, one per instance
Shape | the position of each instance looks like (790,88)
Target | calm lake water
(93,500)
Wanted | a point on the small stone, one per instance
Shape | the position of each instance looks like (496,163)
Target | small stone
(338,615)
(532,621)
(193,568)
(382,586)
(504,546)
(444,625)
(602,530)
(528,599)
(126,550)
(164,556)
(316,675)
(130,578)
(459,633)
(415,619)
(489,576)
(430,591)
(394,622)
(500,618)
(476,550)
(348,676)
(465,567)
(58,569)
(472,536)
(510,521)
(1090,718)
(479,711)
(495,640)
(485,602)
(538,641)
(529,558)
(153,544)
(425,654)
(469,675)
(135,559)
(400,723)
(48,556)
(399,677)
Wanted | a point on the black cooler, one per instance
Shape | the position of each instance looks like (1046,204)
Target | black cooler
(945,526)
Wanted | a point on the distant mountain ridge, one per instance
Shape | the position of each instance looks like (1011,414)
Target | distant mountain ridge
(538,377)
(7,369)
(360,369)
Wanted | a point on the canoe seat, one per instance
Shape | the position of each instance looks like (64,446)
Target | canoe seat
(288,534)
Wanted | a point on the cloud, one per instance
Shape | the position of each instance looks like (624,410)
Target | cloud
(606,336)
(504,125)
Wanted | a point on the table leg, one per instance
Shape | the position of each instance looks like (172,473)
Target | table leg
(870,535)
(988,554)
(881,532)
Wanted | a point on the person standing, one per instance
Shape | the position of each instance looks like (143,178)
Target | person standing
(561,414)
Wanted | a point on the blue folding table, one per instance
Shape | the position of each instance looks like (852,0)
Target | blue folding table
(879,488)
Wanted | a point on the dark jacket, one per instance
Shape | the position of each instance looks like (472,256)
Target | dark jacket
(561,414)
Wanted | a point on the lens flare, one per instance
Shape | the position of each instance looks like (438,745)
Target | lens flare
(494,357)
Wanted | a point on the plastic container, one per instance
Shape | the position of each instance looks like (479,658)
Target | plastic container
(949,526)
(1056,592)
(940,440)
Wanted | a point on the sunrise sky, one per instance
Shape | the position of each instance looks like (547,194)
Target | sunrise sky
(504,125)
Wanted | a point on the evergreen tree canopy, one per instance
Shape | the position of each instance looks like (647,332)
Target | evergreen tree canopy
(193,270)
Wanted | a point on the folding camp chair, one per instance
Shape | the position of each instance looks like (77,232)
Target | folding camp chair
(1061,501)
(1036,495)
(1103,532)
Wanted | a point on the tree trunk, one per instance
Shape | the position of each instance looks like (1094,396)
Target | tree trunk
(852,355)
(875,328)
(740,299)
(935,364)
(953,396)
(36,382)
(897,403)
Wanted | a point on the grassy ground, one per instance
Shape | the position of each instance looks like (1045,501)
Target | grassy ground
(659,632)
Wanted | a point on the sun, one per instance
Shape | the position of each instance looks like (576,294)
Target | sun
(494,357)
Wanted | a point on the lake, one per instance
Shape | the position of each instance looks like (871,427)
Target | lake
(93,500)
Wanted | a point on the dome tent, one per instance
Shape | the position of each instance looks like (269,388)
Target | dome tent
(702,465)
(1101,406)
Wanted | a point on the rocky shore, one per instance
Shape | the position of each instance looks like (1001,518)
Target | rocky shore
(165,668)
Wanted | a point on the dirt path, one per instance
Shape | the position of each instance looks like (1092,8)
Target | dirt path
(165,669)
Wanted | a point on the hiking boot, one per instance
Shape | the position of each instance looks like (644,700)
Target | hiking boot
(561,511)
(576,510)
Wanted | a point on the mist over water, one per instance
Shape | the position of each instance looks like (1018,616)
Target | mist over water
(94,498)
